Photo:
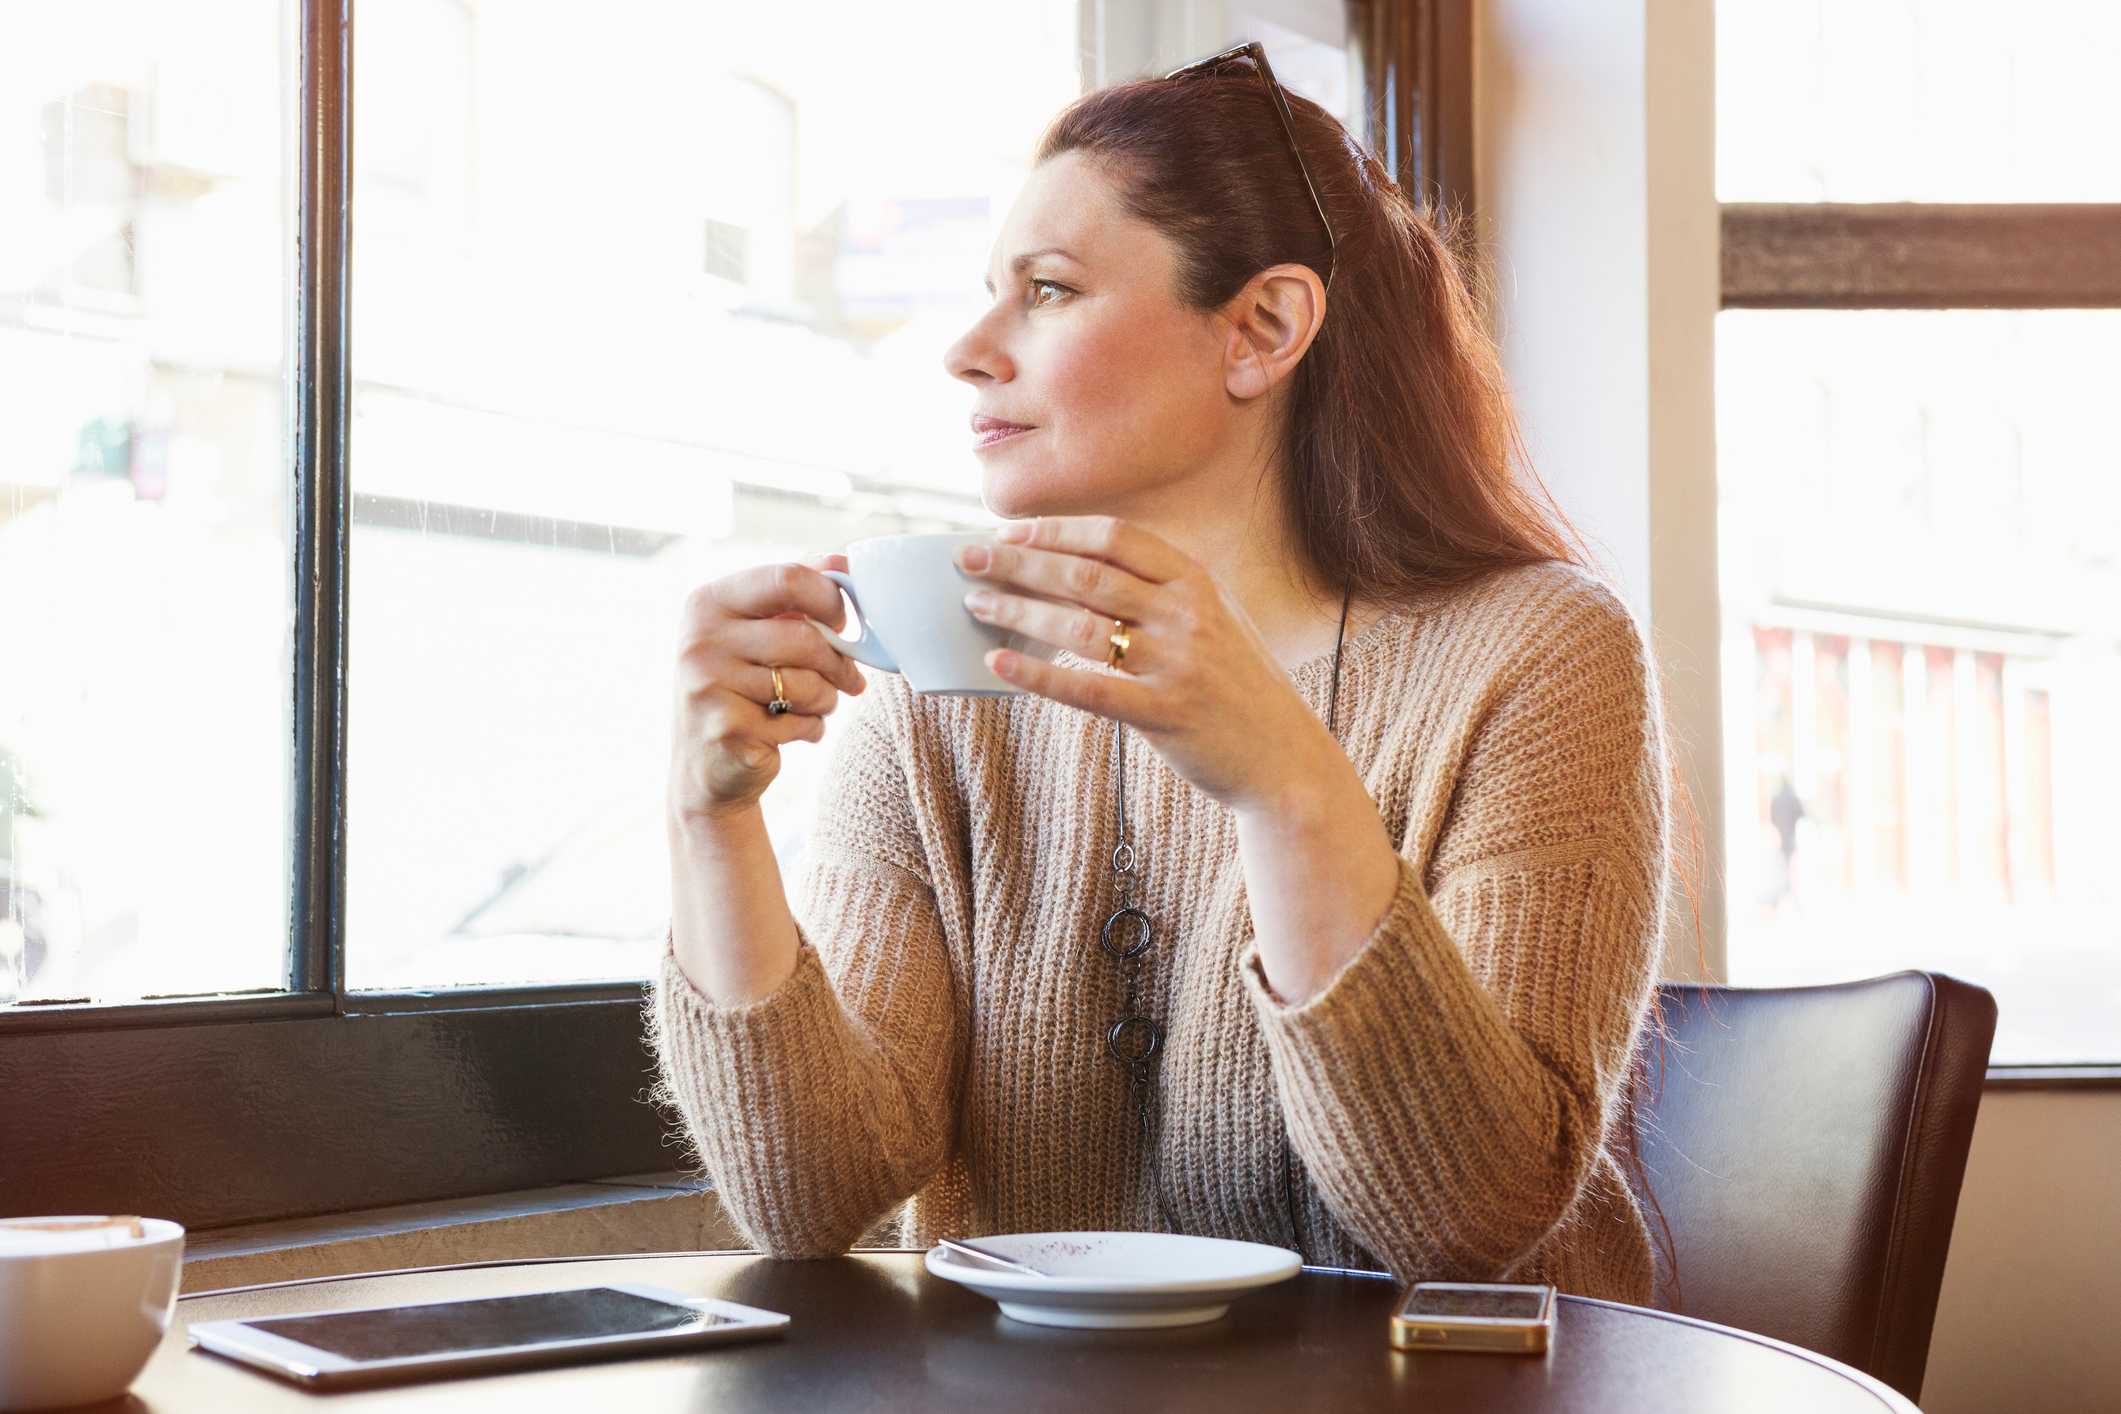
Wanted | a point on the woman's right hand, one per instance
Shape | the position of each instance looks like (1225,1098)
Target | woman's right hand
(733,632)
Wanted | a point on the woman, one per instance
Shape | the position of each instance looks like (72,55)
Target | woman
(1392,765)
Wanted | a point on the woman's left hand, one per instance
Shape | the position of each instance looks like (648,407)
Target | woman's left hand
(1198,683)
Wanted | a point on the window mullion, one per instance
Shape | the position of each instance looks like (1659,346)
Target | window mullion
(317,525)
(1912,255)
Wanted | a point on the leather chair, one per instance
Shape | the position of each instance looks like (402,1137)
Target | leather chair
(1806,1145)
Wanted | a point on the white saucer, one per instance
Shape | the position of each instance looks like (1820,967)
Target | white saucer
(1109,1280)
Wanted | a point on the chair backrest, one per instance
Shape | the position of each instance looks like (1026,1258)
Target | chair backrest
(1806,1145)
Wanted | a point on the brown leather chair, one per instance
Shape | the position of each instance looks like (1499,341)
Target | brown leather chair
(1806,1145)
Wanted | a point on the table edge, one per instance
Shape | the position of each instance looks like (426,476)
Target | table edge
(1891,1398)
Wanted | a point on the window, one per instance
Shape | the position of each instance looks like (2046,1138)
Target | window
(1921,532)
(340,558)
(568,410)
(1924,100)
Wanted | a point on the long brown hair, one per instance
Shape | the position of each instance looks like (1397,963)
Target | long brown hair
(1405,471)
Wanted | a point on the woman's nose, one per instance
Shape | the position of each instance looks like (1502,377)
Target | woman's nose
(977,358)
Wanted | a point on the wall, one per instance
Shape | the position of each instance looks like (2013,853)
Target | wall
(1595,177)
(2033,1285)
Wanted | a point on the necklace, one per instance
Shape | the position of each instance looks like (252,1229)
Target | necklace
(1136,1040)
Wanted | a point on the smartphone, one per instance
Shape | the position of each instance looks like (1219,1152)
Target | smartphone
(386,1344)
(1466,1315)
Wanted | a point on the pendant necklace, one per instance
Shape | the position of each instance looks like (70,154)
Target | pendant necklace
(1136,1040)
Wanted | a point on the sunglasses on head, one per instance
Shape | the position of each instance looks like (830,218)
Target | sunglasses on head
(1257,55)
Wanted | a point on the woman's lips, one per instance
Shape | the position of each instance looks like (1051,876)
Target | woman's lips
(998,434)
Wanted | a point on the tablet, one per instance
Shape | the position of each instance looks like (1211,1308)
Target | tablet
(336,1349)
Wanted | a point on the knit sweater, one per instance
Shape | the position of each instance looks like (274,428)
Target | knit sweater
(1455,1094)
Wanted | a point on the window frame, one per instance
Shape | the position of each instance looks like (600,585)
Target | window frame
(1921,255)
(1416,62)
(258,1106)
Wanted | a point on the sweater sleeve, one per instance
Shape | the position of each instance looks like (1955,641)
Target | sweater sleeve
(819,1107)
(1450,1088)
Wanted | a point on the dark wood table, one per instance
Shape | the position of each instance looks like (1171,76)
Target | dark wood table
(874,1331)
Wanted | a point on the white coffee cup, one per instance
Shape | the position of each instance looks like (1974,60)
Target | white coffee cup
(910,596)
(81,1312)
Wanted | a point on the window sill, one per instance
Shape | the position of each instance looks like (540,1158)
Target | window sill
(655,1212)
(658,1212)
(2054,1077)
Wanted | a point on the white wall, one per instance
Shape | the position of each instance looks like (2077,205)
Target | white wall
(1594,168)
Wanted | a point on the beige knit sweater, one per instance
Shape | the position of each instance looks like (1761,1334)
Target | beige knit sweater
(1454,1095)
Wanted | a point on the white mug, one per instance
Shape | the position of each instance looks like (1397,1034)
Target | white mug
(81,1314)
(910,596)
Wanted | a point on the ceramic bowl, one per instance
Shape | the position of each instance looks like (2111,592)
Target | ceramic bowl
(79,1319)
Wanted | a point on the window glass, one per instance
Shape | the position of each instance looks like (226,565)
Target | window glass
(638,303)
(1921,100)
(145,669)
(1921,582)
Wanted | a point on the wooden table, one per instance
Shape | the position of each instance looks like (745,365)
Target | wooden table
(874,1331)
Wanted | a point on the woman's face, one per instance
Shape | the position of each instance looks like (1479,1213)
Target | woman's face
(1086,345)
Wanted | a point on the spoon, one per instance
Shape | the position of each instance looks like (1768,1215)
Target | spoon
(981,1254)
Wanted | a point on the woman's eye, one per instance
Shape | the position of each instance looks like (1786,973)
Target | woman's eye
(1037,286)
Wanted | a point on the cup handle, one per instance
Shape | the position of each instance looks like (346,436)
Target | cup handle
(866,649)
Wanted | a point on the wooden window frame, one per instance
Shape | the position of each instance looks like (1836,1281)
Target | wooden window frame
(1416,61)
(1908,255)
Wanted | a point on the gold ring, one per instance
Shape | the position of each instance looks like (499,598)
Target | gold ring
(1119,641)
(780,702)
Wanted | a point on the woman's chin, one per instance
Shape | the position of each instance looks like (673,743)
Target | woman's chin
(1013,496)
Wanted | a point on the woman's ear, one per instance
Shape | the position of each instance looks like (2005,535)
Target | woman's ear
(1273,320)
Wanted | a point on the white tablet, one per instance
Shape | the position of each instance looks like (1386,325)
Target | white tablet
(335,1349)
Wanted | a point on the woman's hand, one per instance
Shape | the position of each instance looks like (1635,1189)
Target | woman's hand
(733,632)
(1198,682)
